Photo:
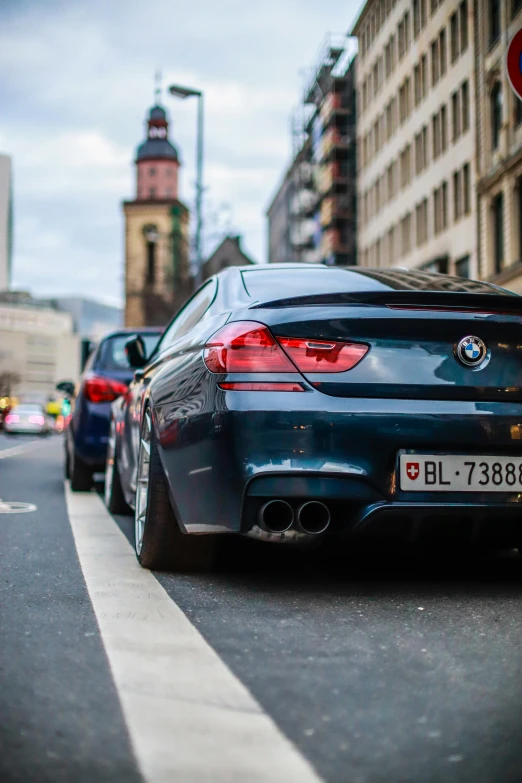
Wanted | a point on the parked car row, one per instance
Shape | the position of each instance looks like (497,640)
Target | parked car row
(106,376)
(290,403)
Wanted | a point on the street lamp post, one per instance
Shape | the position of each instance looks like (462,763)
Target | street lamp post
(186,92)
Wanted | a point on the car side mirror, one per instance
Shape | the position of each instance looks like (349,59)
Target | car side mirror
(136,352)
(67,387)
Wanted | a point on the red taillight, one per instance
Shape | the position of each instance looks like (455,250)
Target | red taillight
(323,355)
(245,346)
(256,386)
(38,419)
(12,418)
(98,389)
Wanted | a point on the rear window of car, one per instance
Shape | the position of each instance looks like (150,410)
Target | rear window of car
(112,354)
(28,409)
(272,283)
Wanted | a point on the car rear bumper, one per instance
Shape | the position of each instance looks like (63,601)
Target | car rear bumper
(224,465)
(89,430)
(26,429)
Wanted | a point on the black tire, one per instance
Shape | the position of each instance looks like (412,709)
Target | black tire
(81,474)
(113,494)
(165,547)
(67,463)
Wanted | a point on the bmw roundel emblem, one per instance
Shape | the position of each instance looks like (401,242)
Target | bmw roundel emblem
(471,351)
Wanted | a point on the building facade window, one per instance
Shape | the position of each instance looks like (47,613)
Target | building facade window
(454,36)
(424,75)
(497,215)
(518,216)
(457,200)
(416,18)
(458,31)
(443,53)
(463,267)
(439,126)
(440,208)
(152,171)
(443,128)
(463,20)
(417,86)
(151,238)
(466,189)
(421,222)
(456,114)
(494,20)
(518,110)
(436,136)
(435,63)
(465,106)
(496,114)
(406,234)
(405,166)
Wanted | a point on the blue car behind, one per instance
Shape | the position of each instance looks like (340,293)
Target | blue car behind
(105,377)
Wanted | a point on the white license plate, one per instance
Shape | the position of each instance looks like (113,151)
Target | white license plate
(459,473)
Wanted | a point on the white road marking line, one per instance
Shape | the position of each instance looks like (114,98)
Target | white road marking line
(33,444)
(189,718)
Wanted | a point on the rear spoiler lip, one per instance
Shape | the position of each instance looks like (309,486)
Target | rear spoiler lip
(460,301)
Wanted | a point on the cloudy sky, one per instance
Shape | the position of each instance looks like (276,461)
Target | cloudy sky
(76,80)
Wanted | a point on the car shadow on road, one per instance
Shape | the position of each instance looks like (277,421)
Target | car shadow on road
(373,567)
(379,567)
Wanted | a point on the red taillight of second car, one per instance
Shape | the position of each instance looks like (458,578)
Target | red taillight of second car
(97,389)
(245,346)
(323,355)
(12,418)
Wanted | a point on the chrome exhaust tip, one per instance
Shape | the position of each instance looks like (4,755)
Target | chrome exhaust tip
(276,516)
(313,517)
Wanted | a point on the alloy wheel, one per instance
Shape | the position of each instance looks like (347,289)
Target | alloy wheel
(142,483)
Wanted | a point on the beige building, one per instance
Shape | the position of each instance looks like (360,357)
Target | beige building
(499,139)
(38,348)
(156,261)
(416,135)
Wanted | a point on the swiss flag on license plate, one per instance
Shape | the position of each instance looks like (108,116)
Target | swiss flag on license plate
(412,470)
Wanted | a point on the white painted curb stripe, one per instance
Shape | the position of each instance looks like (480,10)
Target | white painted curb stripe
(189,718)
(22,449)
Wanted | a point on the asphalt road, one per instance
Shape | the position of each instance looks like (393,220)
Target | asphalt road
(376,667)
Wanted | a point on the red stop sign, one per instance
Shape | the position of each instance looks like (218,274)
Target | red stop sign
(514,63)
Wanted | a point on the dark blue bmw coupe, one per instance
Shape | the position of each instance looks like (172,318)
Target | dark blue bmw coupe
(294,402)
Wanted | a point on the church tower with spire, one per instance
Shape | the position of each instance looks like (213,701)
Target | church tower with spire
(157,277)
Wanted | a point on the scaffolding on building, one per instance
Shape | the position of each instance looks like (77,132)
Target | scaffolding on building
(322,202)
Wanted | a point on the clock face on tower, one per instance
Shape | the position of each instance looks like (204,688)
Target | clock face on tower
(157,133)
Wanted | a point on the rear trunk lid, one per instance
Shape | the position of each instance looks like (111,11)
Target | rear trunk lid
(413,339)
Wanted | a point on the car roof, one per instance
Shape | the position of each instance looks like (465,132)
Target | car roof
(127,330)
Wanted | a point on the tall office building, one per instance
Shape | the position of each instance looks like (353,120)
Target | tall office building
(416,135)
(6,221)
